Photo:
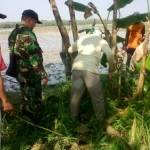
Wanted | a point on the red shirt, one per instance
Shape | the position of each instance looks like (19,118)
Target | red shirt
(2,63)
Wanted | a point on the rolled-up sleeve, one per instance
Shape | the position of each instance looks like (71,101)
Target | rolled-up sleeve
(73,48)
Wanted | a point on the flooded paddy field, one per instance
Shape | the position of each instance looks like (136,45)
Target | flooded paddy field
(48,37)
(50,41)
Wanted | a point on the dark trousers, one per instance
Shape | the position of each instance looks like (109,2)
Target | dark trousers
(130,52)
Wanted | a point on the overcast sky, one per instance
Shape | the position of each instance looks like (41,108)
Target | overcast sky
(14,8)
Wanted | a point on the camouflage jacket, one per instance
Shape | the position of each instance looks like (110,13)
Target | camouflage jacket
(23,43)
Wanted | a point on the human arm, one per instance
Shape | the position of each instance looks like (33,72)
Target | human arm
(127,38)
(108,52)
(36,61)
(7,106)
(73,48)
(143,33)
(28,48)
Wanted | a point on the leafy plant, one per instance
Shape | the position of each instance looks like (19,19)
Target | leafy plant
(131,19)
(120,4)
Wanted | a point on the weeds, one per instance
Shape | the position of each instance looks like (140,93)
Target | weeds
(130,118)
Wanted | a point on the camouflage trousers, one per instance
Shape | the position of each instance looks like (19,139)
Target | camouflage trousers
(31,92)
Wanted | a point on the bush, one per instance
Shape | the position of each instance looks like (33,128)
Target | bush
(131,119)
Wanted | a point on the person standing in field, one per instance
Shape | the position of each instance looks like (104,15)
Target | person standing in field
(7,106)
(30,72)
(85,72)
(134,37)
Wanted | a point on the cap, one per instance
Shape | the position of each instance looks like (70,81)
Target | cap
(136,13)
(32,14)
(2,16)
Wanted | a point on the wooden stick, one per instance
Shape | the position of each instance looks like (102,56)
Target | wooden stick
(141,80)
(64,35)
(114,28)
(140,84)
(42,128)
(73,20)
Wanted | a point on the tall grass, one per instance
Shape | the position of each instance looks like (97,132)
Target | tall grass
(131,119)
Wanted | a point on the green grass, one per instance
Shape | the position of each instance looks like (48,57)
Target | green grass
(130,118)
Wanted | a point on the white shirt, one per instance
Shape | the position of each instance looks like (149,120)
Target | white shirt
(90,49)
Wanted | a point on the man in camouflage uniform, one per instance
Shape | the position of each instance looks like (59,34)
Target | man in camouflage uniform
(29,63)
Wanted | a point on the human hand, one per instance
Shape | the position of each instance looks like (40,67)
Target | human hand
(45,81)
(7,106)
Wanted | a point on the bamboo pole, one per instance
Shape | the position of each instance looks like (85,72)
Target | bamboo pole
(114,43)
(141,80)
(114,28)
(73,20)
(140,84)
(64,35)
